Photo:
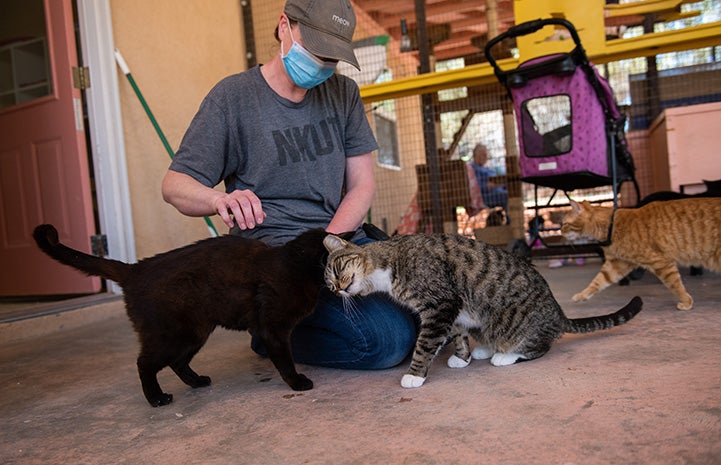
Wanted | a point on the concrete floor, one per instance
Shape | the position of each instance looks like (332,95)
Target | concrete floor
(648,392)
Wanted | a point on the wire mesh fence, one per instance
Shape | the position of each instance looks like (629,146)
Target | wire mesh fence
(424,168)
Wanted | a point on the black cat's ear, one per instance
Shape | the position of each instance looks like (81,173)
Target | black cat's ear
(333,242)
(374,232)
(348,235)
(713,187)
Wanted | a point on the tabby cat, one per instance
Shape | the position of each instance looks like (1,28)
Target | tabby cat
(657,237)
(458,286)
(176,299)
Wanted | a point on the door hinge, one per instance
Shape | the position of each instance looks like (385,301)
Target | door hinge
(99,245)
(81,77)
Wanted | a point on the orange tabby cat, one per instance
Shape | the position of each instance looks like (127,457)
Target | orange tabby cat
(657,236)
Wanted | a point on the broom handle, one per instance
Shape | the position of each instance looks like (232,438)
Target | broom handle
(126,71)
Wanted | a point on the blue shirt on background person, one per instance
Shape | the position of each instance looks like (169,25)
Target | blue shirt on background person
(494,195)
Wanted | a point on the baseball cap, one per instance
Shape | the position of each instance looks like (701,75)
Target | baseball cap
(327,27)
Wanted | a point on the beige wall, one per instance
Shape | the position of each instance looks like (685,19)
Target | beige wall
(176,51)
(265,18)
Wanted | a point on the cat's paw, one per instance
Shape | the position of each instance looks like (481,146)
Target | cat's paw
(162,399)
(412,381)
(685,304)
(200,381)
(457,362)
(482,353)
(580,297)
(500,359)
(300,383)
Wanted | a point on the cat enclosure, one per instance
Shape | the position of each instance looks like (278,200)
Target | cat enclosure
(431,97)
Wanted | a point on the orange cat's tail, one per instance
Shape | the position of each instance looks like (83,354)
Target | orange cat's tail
(597,323)
(46,237)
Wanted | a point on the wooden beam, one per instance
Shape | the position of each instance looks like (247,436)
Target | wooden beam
(457,52)
(432,82)
(642,8)
(434,13)
(705,35)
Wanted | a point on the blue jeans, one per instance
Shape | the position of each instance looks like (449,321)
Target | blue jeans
(377,333)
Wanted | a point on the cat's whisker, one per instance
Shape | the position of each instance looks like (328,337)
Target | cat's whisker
(451,283)
(350,306)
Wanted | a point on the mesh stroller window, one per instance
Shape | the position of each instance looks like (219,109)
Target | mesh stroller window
(546,125)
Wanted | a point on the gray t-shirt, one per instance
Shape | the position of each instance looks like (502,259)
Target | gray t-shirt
(292,155)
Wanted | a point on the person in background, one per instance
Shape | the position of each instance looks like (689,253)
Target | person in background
(494,195)
(291,143)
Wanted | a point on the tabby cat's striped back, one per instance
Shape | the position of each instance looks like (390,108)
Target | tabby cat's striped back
(458,285)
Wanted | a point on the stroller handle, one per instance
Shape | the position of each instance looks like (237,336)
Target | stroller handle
(529,27)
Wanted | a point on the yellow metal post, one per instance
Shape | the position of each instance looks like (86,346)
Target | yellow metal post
(586,16)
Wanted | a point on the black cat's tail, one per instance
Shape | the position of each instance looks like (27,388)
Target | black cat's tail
(46,237)
(597,323)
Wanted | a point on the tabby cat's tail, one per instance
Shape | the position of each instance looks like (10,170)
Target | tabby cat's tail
(46,236)
(596,323)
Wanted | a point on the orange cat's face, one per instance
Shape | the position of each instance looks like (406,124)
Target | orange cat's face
(574,222)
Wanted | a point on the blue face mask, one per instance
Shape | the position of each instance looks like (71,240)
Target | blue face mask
(305,69)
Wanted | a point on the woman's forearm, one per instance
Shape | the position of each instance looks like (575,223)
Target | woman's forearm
(189,196)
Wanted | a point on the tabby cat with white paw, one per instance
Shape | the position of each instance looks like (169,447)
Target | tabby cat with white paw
(459,286)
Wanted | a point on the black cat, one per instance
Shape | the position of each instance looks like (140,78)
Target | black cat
(713,189)
(176,299)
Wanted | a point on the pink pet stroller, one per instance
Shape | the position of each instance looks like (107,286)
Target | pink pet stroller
(571,133)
